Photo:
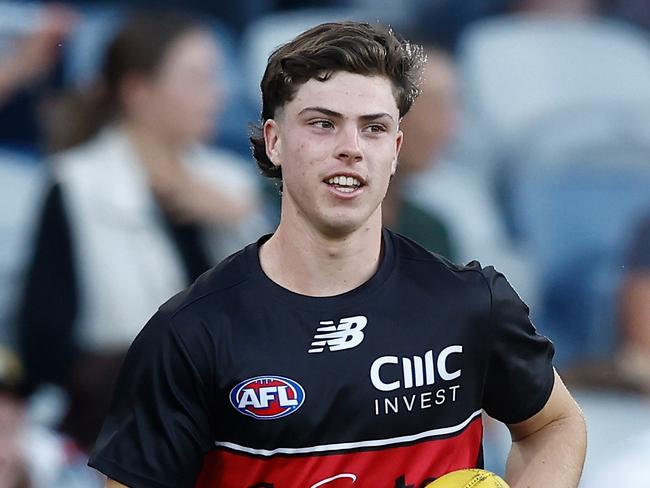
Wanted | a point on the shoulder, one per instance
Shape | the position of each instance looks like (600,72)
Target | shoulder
(409,251)
(211,289)
(472,280)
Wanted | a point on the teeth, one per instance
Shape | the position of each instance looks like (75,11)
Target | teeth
(344,181)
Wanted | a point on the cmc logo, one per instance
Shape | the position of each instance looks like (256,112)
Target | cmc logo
(415,371)
(267,397)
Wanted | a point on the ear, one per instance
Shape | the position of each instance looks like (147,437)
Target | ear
(272,140)
(398,145)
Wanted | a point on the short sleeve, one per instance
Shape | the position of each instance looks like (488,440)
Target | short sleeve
(159,425)
(520,373)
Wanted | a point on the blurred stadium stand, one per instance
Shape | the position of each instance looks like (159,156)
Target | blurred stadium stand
(575,219)
(556,124)
(518,69)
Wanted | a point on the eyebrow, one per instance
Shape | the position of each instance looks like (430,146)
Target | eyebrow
(332,113)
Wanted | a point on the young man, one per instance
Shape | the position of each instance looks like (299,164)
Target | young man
(335,351)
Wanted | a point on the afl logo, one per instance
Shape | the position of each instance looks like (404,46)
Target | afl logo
(267,397)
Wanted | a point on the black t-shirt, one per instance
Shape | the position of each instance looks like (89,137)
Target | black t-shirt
(238,382)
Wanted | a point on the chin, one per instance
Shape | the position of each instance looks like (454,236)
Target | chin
(341,226)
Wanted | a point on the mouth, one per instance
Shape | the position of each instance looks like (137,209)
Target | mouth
(345,184)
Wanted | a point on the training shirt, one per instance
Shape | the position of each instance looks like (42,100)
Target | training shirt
(238,382)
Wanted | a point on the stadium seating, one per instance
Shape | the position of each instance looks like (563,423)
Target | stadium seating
(517,69)
(267,33)
(575,219)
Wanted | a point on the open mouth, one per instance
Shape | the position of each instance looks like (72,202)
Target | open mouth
(344,184)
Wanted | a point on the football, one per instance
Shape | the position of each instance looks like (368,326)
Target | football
(469,478)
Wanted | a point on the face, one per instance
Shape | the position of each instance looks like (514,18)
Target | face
(337,142)
(181,101)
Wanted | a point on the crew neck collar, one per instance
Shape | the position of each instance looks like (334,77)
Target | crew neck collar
(274,291)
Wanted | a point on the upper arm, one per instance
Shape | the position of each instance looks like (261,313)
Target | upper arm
(114,484)
(520,375)
(559,406)
(160,422)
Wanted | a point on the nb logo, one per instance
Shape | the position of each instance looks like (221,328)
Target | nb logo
(348,334)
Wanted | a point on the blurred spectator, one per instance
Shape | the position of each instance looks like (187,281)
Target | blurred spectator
(14,472)
(138,209)
(552,92)
(549,77)
(31,46)
(425,127)
(449,190)
(627,369)
(28,51)
(442,22)
(236,14)
(32,456)
(634,362)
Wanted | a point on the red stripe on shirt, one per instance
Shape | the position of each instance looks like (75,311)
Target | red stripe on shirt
(406,466)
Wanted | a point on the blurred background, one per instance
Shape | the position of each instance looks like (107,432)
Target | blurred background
(125,172)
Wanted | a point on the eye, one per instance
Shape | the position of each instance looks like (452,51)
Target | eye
(322,124)
(375,128)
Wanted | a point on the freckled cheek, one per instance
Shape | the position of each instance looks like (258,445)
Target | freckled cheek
(307,154)
(313,162)
(304,172)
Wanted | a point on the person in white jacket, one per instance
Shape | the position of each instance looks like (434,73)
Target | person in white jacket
(139,207)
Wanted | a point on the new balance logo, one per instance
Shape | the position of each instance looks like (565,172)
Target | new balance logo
(348,334)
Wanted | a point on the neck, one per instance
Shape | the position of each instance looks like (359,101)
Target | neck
(156,153)
(302,259)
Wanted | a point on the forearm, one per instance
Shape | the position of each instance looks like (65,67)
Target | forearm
(552,456)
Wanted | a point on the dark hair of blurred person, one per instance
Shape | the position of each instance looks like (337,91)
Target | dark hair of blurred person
(138,209)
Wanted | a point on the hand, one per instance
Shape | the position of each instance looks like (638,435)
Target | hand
(34,55)
(190,200)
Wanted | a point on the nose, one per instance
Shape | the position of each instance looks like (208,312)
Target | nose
(348,149)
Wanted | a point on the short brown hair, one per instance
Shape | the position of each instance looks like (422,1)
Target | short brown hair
(355,47)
